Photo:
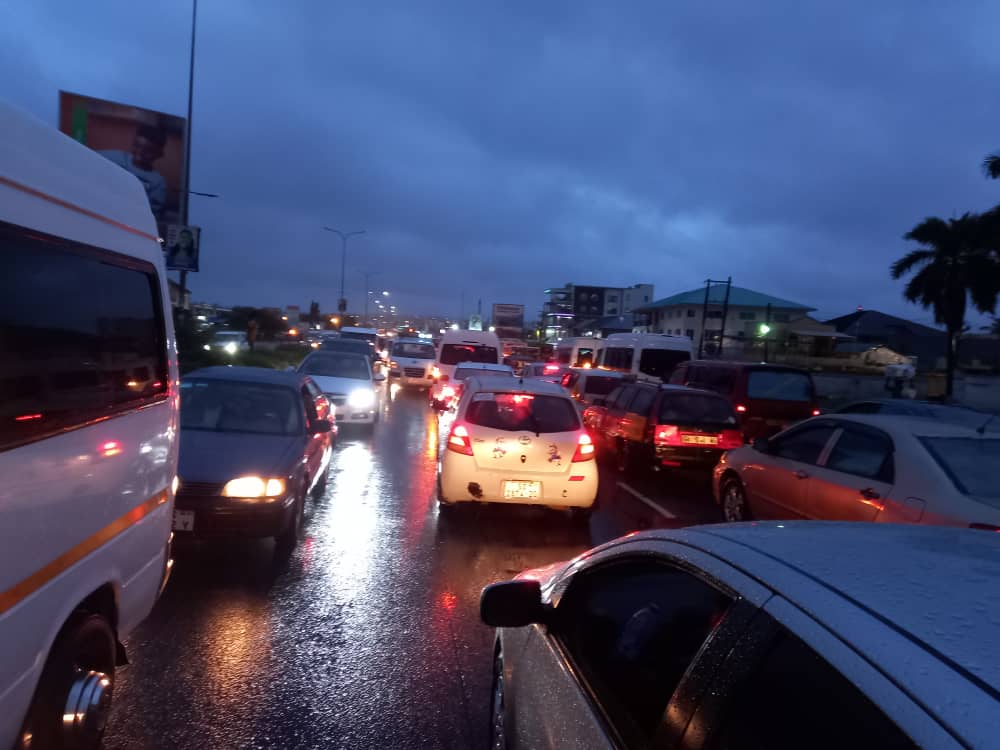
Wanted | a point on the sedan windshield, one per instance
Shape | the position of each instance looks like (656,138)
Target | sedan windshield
(333,366)
(522,412)
(232,406)
(461,373)
(970,464)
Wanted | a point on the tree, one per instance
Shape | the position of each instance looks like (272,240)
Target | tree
(991,166)
(953,264)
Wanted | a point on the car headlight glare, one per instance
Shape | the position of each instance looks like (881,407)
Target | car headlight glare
(230,347)
(362,398)
(254,486)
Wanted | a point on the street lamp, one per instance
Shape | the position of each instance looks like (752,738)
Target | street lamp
(344,236)
(367,275)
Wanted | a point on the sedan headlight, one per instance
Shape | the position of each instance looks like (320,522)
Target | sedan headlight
(230,347)
(362,398)
(254,486)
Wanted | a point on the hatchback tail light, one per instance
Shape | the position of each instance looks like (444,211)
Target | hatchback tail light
(551,368)
(816,412)
(729,439)
(584,449)
(447,392)
(459,440)
(667,434)
(741,409)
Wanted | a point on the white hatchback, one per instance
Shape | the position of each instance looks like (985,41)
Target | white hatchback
(517,441)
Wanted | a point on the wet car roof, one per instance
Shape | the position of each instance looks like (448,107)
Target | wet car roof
(906,425)
(248,375)
(514,385)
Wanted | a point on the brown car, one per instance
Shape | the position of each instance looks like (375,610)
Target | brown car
(645,425)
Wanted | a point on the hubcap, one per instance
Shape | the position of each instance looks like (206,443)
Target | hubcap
(734,503)
(87,708)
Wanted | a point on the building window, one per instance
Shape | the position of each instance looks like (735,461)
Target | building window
(690,313)
(714,314)
(645,298)
(748,315)
(612,298)
(612,311)
(689,333)
(781,317)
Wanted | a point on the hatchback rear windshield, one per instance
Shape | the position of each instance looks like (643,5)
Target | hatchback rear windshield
(461,373)
(599,385)
(415,351)
(452,354)
(970,463)
(232,406)
(779,385)
(696,408)
(522,412)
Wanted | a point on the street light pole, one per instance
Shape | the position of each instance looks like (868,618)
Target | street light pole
(367,275)
(186,171)
(344,236)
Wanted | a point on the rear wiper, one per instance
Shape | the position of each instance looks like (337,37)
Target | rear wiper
(537,425)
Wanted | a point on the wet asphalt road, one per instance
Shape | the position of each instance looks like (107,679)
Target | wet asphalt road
(368,635)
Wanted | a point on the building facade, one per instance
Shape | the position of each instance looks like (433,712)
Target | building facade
(574,308)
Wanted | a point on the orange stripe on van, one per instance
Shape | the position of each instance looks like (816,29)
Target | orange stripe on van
(73,207)
(20,591)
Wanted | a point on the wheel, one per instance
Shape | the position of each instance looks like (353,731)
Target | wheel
(624,457)
(287,539)
(498,718)
(77,682)
(734,501)
(320,487)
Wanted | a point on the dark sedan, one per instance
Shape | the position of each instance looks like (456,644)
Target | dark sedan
(254,443)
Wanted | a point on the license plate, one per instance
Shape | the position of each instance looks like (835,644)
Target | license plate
(183,520)
(699,439)
(522,490)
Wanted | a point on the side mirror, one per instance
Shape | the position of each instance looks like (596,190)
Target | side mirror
(512,604)
(322,425)
(378,376)
(760,444)
(290,368)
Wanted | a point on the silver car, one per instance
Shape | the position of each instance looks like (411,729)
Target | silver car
(866,467)
(771,635)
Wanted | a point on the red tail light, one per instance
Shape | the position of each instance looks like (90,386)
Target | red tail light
(730,439)
(741,409)
(584,449)
(667,434)
(815,412)
(459,441)
(551,368)
(447,392)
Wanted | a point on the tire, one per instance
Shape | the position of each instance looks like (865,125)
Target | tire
(498,728)
(289,538)
(735,507)
(80,671)
(625,461)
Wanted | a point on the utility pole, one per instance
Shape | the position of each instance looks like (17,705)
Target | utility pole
(186,171)
(367,275)
(766,330)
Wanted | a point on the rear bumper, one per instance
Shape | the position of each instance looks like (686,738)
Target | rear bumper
(462,481)
(224,516)
(692,457)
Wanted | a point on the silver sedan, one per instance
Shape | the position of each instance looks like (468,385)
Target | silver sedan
(872,467)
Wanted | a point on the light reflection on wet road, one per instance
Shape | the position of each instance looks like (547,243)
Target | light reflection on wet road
(368,636)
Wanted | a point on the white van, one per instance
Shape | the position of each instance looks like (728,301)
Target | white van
(652,354)
(410,362)
(466,346)
(88,430)
(579,351)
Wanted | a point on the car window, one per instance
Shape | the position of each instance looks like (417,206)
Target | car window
(660,363)
(803,445)
(633,629)
(696,408)
(795,699)
(779,385)
(863,453)
(862,407)
(643,401)
(613,396)
(453,354)
(461,373)
(598,385)
(522,412)
(413,351)
(309,404)
(970,463)
(332,366)
(233,406)
(624,398)
(618,358)
(719,379)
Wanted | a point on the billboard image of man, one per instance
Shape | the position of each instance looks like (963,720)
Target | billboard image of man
(147,149)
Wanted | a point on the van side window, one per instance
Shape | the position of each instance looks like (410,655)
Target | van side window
(618,358)
(81,335)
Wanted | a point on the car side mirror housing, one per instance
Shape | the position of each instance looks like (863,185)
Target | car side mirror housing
(761,444)
(512,604)
(379,376)
(322,425)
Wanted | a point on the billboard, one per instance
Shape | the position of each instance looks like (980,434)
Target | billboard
(509,321)
(182,247)
(148,144)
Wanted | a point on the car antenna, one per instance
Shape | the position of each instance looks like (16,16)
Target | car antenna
(982,428)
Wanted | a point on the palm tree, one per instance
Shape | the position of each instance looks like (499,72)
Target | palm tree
(991,166)
(952,264)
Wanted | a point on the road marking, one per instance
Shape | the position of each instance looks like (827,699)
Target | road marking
(639,496)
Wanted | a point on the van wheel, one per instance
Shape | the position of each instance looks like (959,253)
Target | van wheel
(77,681)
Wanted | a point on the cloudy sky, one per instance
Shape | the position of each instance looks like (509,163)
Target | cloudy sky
(498,148)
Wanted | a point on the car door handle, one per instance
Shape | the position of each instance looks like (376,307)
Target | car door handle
(801,474)
(869,494)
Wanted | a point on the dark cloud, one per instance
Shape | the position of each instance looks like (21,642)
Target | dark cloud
(500,150)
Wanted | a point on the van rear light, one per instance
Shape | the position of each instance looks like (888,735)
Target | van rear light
(459,441)
(741,409)
(984,526)
(729,439)
(667,434)
(584,449)
(816,412)
(551,368)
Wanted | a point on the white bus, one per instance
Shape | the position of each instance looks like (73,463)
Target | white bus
(652,354)
(580,351)
(466,346)
(88,430)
